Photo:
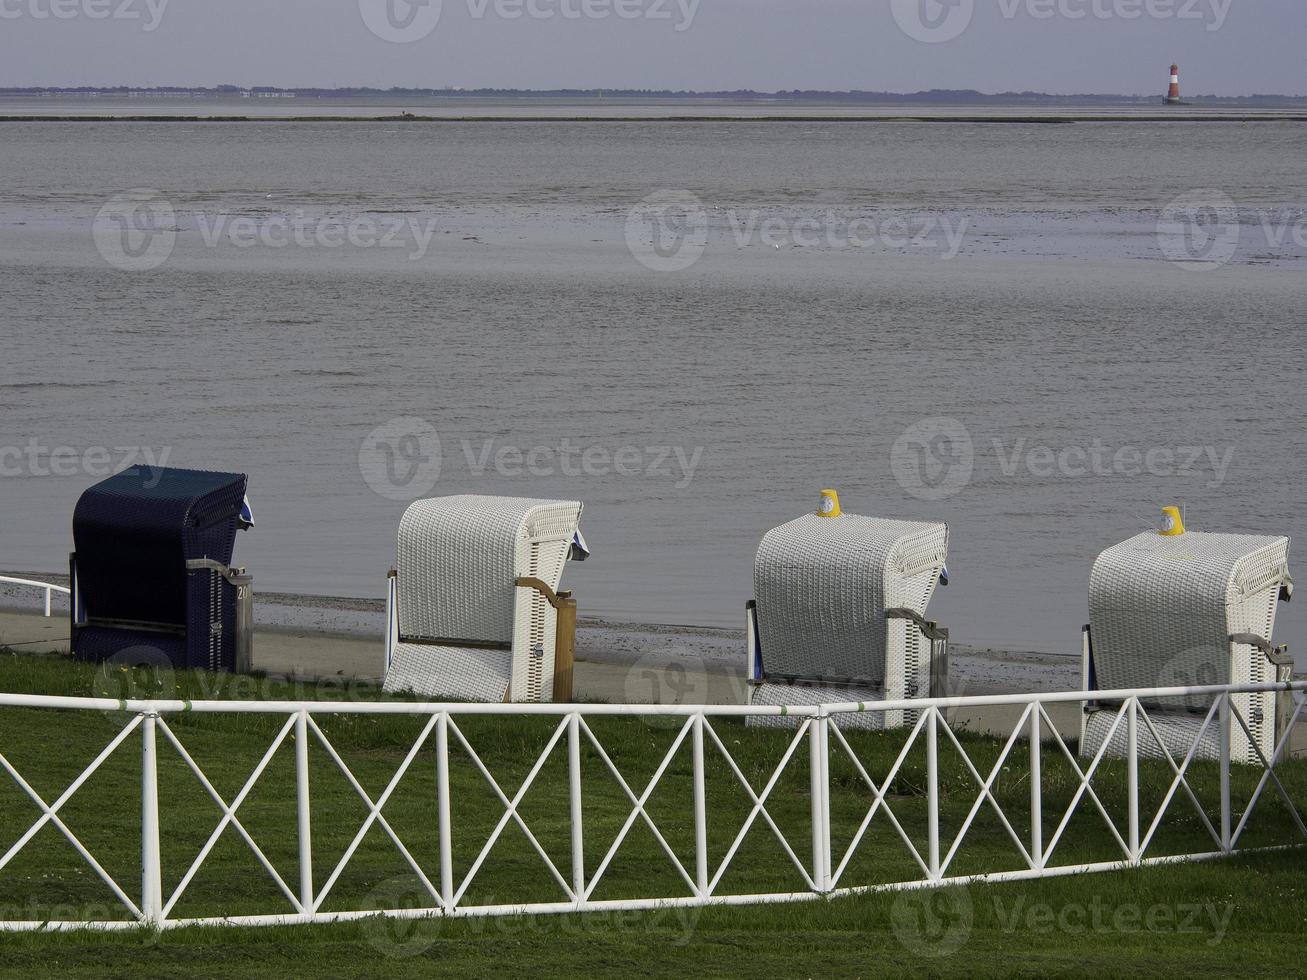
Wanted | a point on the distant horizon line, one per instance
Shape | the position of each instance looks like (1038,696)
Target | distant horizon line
(846,95)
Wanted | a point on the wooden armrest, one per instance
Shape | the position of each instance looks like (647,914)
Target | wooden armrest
(531,582)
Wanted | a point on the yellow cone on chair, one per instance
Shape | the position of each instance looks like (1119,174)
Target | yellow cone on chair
(1172,523)
(829,505)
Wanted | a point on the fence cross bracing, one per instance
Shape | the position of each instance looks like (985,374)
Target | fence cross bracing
(1035,783)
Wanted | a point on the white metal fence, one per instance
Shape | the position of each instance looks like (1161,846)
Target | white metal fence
(817,730)
(28,583)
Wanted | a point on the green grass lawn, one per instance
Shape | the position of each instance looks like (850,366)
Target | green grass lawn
(1245,913)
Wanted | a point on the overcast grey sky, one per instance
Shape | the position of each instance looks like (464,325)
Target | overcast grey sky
(1229,47)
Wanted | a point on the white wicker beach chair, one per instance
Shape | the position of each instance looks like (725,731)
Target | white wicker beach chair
(473,610)
(838,614)
(1186,610)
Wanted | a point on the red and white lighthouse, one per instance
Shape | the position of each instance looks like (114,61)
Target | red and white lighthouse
(1173,95)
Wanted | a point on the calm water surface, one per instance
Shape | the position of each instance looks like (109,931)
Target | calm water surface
(690,410)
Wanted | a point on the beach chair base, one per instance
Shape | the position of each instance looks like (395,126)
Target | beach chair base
(458,673)
(812,693)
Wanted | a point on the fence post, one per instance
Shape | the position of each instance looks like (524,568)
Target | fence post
(1132,777)
(1036,794)
(1225,771)
(932,789)
(302,810)
(817,768)
(825,721)
(442,808)
(574,792)
(151,872)
(700,810)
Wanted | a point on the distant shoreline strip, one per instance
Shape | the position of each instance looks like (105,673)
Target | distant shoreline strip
(999,120)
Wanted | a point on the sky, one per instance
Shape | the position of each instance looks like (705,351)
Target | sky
(1224,47)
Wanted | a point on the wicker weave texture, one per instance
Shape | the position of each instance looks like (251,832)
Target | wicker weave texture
(461,673)
(822,587)
(1178,732)
(1162,609)
(793,694)
(459,559)
(134,532)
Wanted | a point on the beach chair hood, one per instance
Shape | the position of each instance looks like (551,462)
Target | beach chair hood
(1162,609)
(823,586)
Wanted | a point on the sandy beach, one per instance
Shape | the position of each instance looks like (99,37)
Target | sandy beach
(319,640)
(348,633)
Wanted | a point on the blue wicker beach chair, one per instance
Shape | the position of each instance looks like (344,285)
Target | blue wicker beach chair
(151,570)
(839,614)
